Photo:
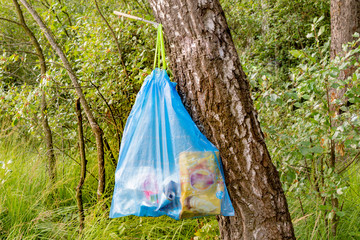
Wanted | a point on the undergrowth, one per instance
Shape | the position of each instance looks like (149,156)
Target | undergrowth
(30,209)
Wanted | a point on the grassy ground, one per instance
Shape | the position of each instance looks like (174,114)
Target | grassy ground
(311,223)
(32,209)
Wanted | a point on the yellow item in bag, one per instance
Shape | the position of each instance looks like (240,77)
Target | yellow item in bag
(201,184)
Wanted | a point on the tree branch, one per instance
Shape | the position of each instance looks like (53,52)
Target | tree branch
(111,111)
(9,20)
(348,165)
(73,159)
(93,123)
(114,36)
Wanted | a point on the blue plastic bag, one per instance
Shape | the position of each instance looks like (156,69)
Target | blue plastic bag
(166,165)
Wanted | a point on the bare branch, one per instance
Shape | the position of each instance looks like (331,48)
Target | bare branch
(9,20)
(76,162)
(111,112)
(15,51)
(114,36)
(349,164)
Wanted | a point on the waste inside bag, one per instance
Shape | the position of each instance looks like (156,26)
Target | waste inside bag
(166,165)
(202,186)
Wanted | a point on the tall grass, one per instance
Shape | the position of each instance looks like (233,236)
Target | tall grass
(31,208)
(311,224)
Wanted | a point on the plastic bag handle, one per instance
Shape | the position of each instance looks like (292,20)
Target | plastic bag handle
(160,49)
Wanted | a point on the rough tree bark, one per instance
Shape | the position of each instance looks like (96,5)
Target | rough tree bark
(51,161)
(83,166)
(216,93)
(345,21)
(93,123)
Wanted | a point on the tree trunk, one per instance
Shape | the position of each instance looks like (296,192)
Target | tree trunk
(51,161)
(83,166)
(345,21)
(48,139)
(216,93)
(94,125)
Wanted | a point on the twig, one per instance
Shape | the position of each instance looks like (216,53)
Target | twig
(136,18)
(114,36)
(301,206)
(67,15)
(62,87)
(75,161)
(15,51)
(111,111)
(9,20)
(348,165)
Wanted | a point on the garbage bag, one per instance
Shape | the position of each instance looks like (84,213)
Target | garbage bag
(166,165)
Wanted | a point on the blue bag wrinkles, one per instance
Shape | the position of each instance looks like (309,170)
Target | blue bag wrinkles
(158,129)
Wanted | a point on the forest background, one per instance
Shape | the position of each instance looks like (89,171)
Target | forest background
(284,47)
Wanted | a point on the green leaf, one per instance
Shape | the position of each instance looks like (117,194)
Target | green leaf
(310,35)
(306,96)
(312,59)
(325,207)
(321,31)
(274,97)
(297,104)
(340,213)
(335,85)
(297,53)
(339,191)
(305,150)
(344,108)
(16,120)
(320,18)
(317,149)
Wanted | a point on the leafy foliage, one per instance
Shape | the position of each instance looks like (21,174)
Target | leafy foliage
(284,48)
(300,130)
